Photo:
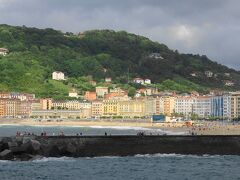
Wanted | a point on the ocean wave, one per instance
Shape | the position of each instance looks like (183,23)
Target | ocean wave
(178,155)
(54,159)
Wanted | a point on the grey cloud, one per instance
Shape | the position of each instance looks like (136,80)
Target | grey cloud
(204,27)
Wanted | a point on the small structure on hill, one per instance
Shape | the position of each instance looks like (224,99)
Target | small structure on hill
(58,75)
(3,51)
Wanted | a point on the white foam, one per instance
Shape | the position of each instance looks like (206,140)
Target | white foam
(51,159)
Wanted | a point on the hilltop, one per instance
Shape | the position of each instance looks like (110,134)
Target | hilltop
(93,55)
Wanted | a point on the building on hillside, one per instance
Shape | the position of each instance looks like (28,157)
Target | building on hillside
(138,80)
(90,96)
(97,109)
(202,106)
(147,81)
(93,83)
(46,104)
(73,93)
(101,91)
(3,51)
(229,83)
(58,75)
(155,56)
(184,105)
(193,74)
(209,74)
(108,79)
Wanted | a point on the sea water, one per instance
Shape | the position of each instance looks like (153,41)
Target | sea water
(139,167)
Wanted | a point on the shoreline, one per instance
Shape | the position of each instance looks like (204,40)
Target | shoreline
(208,128)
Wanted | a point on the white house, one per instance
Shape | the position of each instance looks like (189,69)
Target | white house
(138,80)
(57,75)
(73,94)
(229,83)
(155,56)
(108,79)
(147,81)
(209,73)
(3,51)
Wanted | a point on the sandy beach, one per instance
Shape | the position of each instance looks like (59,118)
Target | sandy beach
(207,128)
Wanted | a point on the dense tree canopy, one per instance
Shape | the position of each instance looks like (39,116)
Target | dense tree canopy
(36,53)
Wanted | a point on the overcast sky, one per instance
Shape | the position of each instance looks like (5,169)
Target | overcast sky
(209,27)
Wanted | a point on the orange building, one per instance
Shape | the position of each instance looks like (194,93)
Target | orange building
(90,96)
(169,104)
(46,104)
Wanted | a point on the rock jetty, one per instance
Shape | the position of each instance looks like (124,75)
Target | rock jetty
(23,148)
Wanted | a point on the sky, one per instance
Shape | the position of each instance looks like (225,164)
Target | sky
(205,27)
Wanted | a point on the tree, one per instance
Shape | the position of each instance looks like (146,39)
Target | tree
(131,92)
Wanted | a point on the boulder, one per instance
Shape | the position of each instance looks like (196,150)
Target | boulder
(6,154)
(36,145)
(12,144)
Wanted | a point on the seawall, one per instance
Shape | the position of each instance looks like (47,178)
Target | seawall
(25,148)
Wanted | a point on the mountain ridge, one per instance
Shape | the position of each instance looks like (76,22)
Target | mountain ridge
(36,53)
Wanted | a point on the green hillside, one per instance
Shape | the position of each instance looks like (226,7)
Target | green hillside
(94,55)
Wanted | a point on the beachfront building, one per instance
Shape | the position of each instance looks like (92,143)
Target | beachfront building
(159,105)
(71,105)
(150,106)
(184,105)
(110,107)
(101,91)
(202,106)
(63,114)
(132,108)
(46,103)
(25,108)
(3,51)
(11,107)
(97,109)
(58,75)
(235,105)
(169,105)
(221,106)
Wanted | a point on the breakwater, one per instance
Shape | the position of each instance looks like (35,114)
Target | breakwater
(32,147)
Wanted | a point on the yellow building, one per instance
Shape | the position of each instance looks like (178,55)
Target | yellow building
(110,107)
(132,108)
(235,105)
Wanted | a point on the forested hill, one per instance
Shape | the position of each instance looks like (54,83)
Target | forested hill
(35,53)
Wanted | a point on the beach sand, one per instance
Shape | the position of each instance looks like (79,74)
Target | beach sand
(198,129)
